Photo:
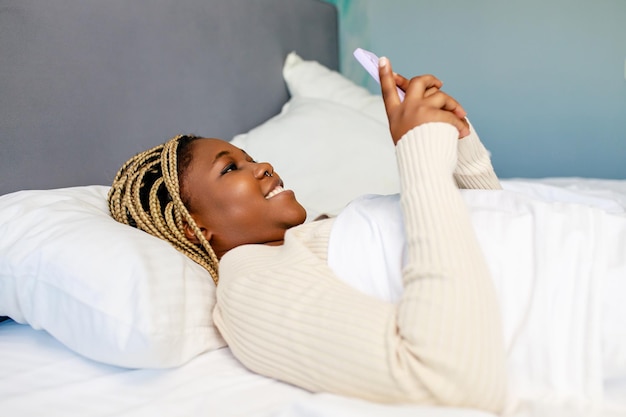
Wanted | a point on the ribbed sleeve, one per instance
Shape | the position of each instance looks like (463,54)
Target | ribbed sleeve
(474,169)
(285,315)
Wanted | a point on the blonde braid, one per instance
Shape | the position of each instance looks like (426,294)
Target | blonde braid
(146,194)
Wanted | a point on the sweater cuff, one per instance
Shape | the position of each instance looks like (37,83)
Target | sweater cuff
(474,158)
(474,168)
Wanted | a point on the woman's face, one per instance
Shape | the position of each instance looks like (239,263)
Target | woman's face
(233,200)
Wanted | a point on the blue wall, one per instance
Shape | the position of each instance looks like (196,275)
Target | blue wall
(542,80)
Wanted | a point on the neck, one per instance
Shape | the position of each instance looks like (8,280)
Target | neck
(221,253)
(275,243)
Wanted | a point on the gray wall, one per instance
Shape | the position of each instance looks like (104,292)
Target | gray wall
(543,80)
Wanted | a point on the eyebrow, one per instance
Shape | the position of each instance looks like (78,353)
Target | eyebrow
(226,153)
(220,155)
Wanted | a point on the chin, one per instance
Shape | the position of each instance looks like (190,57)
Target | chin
(295,222)
(294,214)
(301,217)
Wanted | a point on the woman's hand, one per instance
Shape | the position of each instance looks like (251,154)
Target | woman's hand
(424,102)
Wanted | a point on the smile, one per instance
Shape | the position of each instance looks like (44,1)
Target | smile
(274,192)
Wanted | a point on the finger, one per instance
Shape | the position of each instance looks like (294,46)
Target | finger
(448,104)
(453,106)
(401,81)
(387,85)
(429,92)
(460,112)
(420,84)
(444,101)
(460,124)
(463,127)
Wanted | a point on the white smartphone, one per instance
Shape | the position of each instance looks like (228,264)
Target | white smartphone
(369,60)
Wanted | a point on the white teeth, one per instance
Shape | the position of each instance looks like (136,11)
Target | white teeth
(275,191)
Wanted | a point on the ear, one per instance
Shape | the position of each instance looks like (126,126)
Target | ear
(192,236)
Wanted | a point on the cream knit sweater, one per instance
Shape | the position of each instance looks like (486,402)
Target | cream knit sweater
(286,315)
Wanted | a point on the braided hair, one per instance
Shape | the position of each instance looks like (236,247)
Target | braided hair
(146,194)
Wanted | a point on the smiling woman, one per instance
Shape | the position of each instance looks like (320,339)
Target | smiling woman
(441,342)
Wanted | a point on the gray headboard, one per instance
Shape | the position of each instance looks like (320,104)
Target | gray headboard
(85,84)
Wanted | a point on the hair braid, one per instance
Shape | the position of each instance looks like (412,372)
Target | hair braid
(146,194)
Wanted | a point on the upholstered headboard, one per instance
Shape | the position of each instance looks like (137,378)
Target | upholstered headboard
(84,84)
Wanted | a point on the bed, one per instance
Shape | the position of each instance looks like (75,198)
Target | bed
(95,325)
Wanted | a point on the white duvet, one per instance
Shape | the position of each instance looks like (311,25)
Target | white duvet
(558,260)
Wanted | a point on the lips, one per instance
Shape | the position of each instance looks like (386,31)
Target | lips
(276,188)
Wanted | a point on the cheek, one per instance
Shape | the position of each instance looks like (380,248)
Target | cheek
(238,202)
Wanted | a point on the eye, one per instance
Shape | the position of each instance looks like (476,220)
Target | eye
(228,168)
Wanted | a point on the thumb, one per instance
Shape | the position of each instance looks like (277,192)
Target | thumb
(388,85)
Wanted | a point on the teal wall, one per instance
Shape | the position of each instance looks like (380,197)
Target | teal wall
(542,80)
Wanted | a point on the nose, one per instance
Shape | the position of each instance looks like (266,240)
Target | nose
(263,169)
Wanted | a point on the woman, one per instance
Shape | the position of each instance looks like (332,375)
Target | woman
(280,307)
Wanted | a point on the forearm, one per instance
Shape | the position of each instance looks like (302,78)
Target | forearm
(474,169)
(447,276)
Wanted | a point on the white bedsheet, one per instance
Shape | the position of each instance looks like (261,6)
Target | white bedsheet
(39,376)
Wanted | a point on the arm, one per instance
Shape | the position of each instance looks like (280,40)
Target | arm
(285,315)
(474,169)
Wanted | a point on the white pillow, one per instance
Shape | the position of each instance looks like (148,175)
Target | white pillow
(326,152)
(314,80)
(106,290)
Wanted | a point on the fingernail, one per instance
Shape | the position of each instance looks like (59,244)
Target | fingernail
(383,61)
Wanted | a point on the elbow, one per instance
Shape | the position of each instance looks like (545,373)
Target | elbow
(449,381)
(485,388)
(491,397)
